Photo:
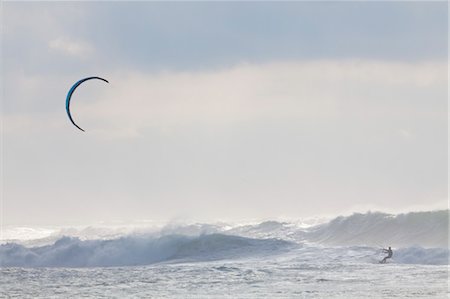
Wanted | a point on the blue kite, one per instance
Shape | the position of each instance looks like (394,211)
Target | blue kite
(69,96)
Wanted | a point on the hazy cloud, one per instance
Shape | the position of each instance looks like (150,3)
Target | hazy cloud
(79,49)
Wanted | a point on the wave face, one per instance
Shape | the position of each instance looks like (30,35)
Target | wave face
(330,256)
(426,229)
(424,256)
(129,251)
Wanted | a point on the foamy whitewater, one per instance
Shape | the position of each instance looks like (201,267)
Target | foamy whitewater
(338,258)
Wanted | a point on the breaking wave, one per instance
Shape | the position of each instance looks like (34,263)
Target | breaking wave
(417,238)
(129,251)
(426,229)
(424,256)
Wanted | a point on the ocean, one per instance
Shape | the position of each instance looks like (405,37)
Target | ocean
(324,258)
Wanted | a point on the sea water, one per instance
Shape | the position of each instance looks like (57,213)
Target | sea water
(335,259)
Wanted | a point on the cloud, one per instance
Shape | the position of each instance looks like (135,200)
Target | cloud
(320,134)
(227,103)
(70,47)
(291,92)
(323,91)
(405,134)
(191,36)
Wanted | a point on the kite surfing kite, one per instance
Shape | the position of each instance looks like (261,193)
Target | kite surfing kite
(69,96)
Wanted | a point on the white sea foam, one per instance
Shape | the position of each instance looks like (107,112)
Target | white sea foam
(423,256)
(426,229)
(129,251)
(418,238)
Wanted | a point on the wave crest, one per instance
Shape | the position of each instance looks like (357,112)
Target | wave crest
(427,229)
(131,250)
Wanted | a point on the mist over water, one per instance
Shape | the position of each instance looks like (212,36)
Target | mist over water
(418,238)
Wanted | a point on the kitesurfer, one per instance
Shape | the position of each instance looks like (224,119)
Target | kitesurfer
(389,255)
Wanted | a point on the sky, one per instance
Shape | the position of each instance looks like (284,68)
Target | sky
(221,111)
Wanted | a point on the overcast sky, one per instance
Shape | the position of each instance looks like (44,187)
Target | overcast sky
(222,111)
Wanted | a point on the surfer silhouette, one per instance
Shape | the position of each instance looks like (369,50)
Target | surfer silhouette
(389,255)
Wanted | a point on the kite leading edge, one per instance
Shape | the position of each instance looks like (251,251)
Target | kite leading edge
(69,96)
